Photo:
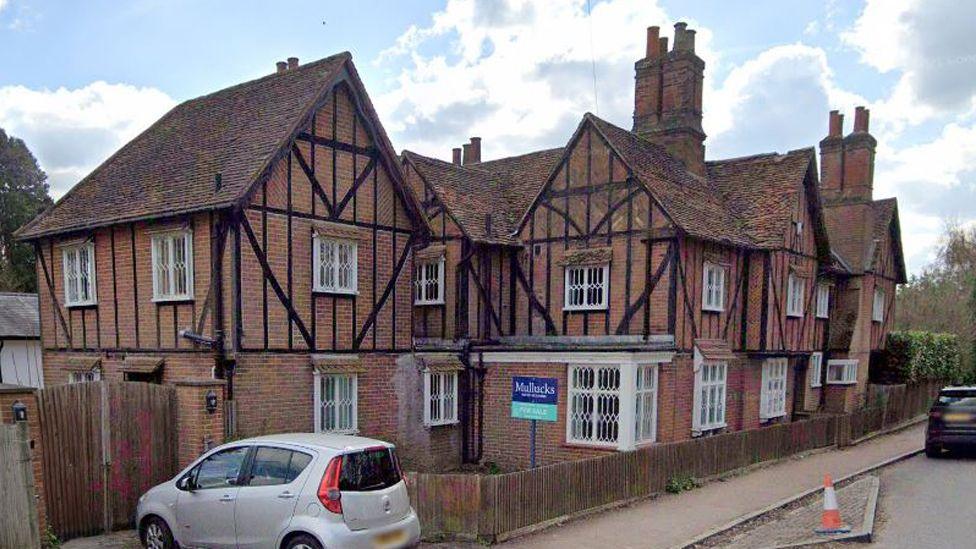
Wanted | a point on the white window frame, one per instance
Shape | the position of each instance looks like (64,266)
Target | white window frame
(168,239)
(878,306)
(823,300)
(795,289)
(848,369)
(772,402)
(72,254)
(630,391)
(816,369)
(588,272)
(645,403)
(423,281)
(440,407)
(88,376)
(713,287)
(344,408)
(711,378)
(319,282)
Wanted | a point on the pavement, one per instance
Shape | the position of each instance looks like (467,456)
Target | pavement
(672,519)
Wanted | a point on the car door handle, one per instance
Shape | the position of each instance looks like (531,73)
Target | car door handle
(227,497)
(286,495)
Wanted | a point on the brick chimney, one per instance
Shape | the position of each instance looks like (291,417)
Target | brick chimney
(472,151)
(292,63)
(847,163)
(668,96)
(281,66)
(456,156)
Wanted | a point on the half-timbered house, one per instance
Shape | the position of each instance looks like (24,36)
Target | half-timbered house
(668,296)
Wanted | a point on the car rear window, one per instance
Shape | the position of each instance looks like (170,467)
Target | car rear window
(274,466)
(371,469)
(958,399)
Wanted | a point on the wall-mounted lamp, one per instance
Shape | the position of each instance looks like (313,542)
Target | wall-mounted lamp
(211,402)
(20,411)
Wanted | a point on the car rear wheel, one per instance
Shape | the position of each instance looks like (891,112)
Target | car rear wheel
(156,534)
(303,541)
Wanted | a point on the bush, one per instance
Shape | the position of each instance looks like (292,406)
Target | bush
(915,356)
(681,483)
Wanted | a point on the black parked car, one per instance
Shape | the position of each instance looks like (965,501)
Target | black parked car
(952,420)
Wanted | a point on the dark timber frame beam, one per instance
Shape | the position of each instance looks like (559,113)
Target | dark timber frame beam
(54,297)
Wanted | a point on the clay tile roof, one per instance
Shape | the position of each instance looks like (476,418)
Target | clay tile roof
(502,189)
(18,316)
(170,167)
(761,191)
(859,247)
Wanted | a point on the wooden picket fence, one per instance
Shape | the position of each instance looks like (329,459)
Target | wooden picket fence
(105,444)
(494,507)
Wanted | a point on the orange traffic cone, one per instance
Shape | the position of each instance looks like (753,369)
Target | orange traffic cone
(831,523)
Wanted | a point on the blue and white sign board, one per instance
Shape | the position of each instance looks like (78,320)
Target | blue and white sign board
(534,398)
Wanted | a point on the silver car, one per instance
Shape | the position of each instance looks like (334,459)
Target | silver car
(308,491)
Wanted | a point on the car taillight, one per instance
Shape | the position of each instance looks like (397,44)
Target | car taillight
(329,493)
(935,414)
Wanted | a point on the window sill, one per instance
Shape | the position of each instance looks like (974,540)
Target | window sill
(823,317)
(601,309)
(441,424)
(794,315)
(178,299)
(91,305)
(335,293)
(352,432)
(774,417)
(842,383)
(589,446)
(710,429)
(713,309)
(428,303)
(817,386)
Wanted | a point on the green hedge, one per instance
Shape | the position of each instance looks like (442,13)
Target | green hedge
(916,356)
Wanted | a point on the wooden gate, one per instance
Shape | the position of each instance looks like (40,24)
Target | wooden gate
(105,444)
(18,508)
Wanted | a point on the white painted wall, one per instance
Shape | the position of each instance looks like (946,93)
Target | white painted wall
(20,362)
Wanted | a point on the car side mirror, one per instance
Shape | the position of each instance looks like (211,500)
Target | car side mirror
(185,484)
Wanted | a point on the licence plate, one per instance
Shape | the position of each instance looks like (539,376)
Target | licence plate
(391,538)
(957,417)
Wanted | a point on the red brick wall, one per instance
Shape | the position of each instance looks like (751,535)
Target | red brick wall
(29,399)
(199,430)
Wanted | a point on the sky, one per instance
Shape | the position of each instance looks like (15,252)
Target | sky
(80,79)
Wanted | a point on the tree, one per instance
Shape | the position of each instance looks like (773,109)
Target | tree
(23,194)
(943,297)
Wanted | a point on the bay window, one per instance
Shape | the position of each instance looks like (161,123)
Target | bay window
(79,274)
(611,405)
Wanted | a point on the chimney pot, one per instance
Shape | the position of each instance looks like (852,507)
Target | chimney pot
(281,66)
(681,37)
(836,124)
(663,45)
(456,156)
(467,153)
(690,40)
(292,62)
(653,41)
(861,119)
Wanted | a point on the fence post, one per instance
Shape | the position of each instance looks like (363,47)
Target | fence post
(106,432)
(844,426)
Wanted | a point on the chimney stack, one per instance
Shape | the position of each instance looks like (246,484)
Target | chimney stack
(668,96)
(456,156)
(472,151)
(847,163)
(281,66)
(292,63)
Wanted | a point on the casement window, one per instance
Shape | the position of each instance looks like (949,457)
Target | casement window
(795,288)
(586,287)
(429,284)
(336,403)
(594,405)
(877,313)
(440,398)
(94,374)
(709,400)
(823,300)
(611,405)
(645,400)
(336,264)
(773,395)
(841,372)
(713,287)
(79,274)
(816,369)
(172,260)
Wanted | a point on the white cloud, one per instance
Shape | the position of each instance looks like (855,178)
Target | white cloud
(71,131)
(3,4)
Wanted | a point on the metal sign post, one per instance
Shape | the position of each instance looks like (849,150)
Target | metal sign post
(534,399)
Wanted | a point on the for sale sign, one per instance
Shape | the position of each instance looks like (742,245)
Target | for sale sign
(534,398)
